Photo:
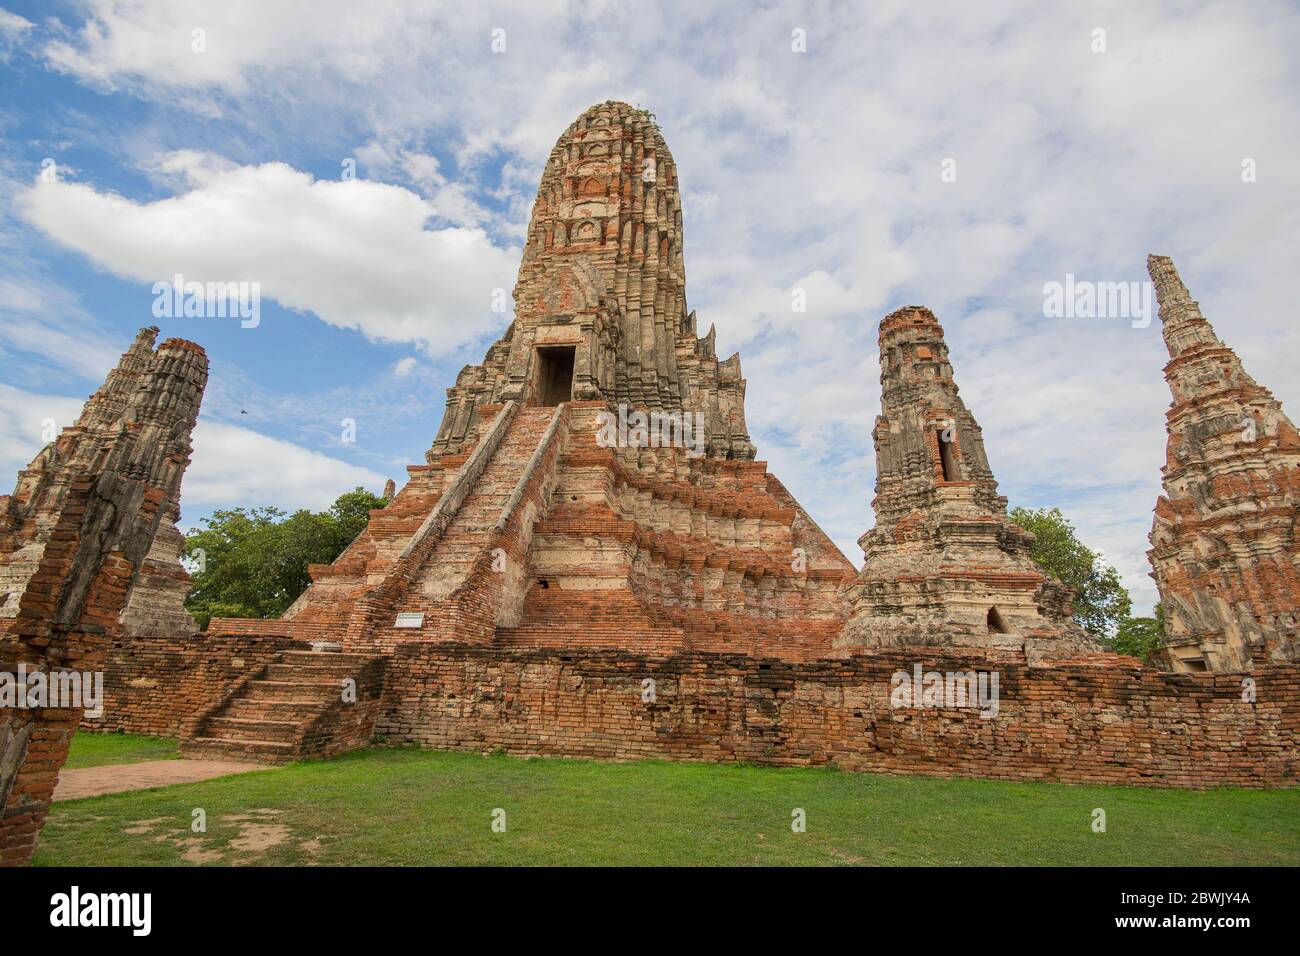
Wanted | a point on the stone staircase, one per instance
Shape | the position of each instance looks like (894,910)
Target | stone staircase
(469,532)
(292,708)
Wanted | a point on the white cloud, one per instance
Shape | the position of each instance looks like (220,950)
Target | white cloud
(405,366)
(40,317)
(25,419)
(233,464)
(128,42)
(356,253)
(12,26)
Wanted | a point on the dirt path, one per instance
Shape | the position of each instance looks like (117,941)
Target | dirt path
(114,778)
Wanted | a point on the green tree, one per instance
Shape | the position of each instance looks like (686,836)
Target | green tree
(1101,601)
(351,512)
(253,563)
(1141,637)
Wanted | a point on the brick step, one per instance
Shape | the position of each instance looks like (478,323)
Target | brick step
(290,690)
(473,530)
(244,728)
(245,708)
(481,509)
(450,564)
(218,748)
(313,673)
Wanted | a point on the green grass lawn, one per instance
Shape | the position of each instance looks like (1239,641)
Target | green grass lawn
(411,807)
(97,750)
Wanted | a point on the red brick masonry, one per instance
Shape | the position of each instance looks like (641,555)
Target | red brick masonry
(1072,723)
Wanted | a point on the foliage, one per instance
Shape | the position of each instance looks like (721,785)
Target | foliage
(253,563)
(1140,637)
(1101,601)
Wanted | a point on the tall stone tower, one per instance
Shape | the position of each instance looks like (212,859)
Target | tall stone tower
(1223,541)
(156,606)
(531,524)
(944,563)
(600,302)
(74,537)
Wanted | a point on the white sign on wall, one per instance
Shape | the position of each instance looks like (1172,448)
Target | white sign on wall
(409,619)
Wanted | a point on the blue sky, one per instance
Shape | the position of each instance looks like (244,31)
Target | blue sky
(817,171)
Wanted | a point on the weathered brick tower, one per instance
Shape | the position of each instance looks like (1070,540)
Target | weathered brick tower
(74,537)
(1223,542)
(156,606)
(600,302)
(944,564)
(524,529)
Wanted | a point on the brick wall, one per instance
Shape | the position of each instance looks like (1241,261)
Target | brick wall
(1116,724)
(1076,723)
(161,687)
(344,727)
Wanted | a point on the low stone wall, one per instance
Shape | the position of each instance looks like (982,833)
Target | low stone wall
(344,727)
(163,687)
(1075,723)
(1113,723)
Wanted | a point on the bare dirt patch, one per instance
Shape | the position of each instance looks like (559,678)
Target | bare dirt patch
(197,853)
(259,837)
(115,778)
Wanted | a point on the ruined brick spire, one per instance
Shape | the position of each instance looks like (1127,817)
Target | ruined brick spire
(143,393)
(922,445)
(944,564)
(1223,552)
(600,302)
(74,538)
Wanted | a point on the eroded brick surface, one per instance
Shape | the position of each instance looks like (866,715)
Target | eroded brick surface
(944,564)
(156,605)
(1074,723)
(74,536)
(1223,541)
(523,529)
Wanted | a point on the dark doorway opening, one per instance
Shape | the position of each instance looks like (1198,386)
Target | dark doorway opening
(997,623)
(555,374)
(947,459)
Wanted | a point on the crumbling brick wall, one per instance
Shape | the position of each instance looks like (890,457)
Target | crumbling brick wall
(161,687)
(345,727)
(1073,723)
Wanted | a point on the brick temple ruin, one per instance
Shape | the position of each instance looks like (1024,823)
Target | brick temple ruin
(944,565)
(591,561)
(156,606)
(1224,539)
(84,551)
